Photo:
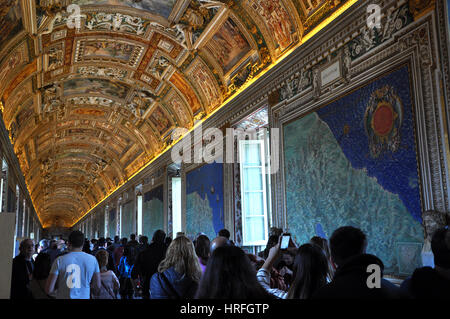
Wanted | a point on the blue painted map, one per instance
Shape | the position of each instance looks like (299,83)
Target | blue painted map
(353,162)
(204,200)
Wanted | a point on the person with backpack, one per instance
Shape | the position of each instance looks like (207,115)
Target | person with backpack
(109,282)
(125,269)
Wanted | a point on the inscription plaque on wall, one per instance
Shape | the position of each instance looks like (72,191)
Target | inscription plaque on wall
(330,74)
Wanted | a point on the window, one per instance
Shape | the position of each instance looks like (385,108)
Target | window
(106,223)
(253,192)
(139,214)
(176,206)
(120,221)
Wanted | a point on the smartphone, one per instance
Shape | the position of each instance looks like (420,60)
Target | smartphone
(285,241)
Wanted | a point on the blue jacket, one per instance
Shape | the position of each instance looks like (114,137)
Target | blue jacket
(176,286)
(125,268)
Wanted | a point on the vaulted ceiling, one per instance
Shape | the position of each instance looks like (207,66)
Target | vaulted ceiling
(88,102)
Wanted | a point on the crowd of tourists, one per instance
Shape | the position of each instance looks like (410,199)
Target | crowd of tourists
(205,268)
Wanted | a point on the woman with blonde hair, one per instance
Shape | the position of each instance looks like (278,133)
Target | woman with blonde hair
(178,273)
(110,283)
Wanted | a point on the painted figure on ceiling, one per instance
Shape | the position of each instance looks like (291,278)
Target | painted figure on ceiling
(278,21)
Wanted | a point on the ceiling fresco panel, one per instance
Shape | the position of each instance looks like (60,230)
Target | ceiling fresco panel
(85,86)
(186,90)
(161,120)
(158,7)
(204,81)
(175,103)
(277,21)
(108,50)
(11,20)
(18,81)
(228,45)
(12,64)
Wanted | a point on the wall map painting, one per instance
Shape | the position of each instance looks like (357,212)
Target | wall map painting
(353,162)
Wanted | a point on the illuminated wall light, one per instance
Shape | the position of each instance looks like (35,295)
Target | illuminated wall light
(308,36)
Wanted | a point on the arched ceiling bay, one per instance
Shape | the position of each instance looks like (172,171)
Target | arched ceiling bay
(89,105)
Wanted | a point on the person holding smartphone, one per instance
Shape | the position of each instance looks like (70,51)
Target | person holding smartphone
(309,275)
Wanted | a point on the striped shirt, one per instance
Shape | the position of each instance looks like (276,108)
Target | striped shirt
(263,277)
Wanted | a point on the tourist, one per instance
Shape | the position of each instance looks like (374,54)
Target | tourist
(22,270)
(101,245)
(109,282)
(432,283)
(149,259)
(133,242)
(82,268)
(219,242)
(125,268)
(310,272)
(53,250)
(323,243)
(348,252)
(202,249)
(143,244)
(87,246)
(230,275)
(225,233)
(118,252)
(178,273)
(272,241)
(42,266)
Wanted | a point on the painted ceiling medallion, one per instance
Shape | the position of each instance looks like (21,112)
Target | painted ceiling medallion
(383,120)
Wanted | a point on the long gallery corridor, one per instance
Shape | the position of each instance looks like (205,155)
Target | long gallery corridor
(238,150)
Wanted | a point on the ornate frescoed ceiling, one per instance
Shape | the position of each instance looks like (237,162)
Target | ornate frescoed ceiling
(88,105)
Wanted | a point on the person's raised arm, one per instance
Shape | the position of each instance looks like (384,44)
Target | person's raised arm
(274,254)
(263,274)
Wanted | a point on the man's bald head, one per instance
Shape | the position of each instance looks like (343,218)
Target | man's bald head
(219,242)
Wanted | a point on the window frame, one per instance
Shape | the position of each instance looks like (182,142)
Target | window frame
(176,207)
(262,166)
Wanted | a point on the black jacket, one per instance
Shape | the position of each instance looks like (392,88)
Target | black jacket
(426,283)
(350,282)
(20,279)
(147,264)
